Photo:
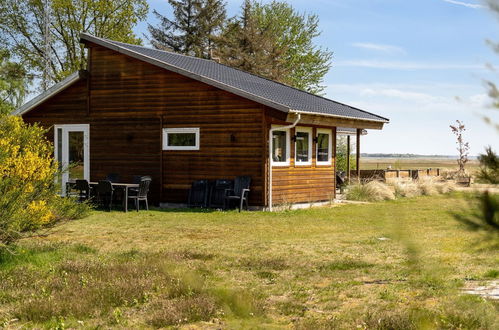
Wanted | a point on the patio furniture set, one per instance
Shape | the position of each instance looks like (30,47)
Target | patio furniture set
(221,193)
(104,192)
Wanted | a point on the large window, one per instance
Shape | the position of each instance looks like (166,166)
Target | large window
(180,138)
(280,147)
(303,146)
(324,146)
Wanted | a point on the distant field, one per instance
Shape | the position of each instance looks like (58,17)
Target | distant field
(369,163)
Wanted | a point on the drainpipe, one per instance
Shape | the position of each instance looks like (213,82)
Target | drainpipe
(271,132)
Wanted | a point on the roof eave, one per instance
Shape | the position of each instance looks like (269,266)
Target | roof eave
(384,121)
(52,91)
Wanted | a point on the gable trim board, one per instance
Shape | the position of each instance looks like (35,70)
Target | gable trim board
(52,91)
(125,49)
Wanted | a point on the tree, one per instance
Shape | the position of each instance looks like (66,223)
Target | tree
(13,83)
(275,41)
(489,167)
(22,29)
(28,199)
(462,146)
(194,28)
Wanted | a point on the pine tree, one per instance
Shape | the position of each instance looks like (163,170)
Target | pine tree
(489,167)
(274,41)
(194,28)
(248,46)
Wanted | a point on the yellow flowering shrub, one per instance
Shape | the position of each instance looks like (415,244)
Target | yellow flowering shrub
(28,199)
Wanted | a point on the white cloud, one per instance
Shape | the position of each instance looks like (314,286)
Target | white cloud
(420,115)
(443,98)
(398,65)
(465,4)
(380,47)
(399,94)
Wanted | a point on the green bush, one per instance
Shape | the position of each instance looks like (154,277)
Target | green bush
(28,199)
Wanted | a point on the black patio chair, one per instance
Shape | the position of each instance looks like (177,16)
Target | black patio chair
(83,190)
(142,192)
(239,193)
(198,194)
(113,177)
(137,179)
(217,194)
(105,192)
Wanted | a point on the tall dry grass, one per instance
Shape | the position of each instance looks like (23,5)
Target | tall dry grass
(376,191)
(404,188)
(373,191)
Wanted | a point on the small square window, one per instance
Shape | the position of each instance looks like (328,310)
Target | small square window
(180,138)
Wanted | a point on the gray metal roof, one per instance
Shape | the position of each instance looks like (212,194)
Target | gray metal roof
(248,85)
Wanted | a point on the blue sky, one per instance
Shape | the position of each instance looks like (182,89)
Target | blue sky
(420,63)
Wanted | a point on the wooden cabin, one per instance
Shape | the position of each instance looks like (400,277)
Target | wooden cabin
(141,111)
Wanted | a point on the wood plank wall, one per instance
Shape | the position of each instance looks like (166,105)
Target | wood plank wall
(126,146)
(302,184)
(127,102)
(131,101)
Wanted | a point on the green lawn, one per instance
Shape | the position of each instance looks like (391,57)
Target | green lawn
(389,265)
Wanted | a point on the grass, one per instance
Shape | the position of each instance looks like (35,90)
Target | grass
(388,265)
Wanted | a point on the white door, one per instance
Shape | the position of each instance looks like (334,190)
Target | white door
(72,150)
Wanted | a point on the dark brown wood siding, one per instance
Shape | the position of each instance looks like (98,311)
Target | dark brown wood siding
(130,101)
(126,146)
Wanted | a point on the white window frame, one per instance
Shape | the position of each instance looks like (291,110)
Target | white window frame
(288,147)
(330,146)
(185,130)
(310,145)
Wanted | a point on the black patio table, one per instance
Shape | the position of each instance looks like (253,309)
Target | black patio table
(123,186)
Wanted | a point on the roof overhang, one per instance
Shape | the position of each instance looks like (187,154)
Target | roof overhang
(60,86)
(334,121)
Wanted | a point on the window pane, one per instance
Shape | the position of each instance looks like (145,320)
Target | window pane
(279,152)
(181,139)
(76,154)
(322,147)
(302,139)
